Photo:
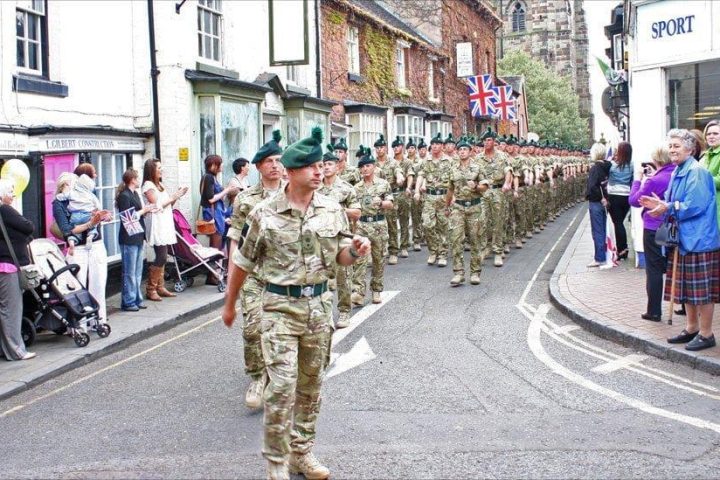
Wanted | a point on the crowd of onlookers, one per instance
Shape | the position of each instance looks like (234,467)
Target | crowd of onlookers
(677,190)
(77,214)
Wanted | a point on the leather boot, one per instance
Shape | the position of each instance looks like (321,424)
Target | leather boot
(151,289)
(162,291)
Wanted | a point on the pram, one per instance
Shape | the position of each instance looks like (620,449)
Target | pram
(60,303)
(192,258)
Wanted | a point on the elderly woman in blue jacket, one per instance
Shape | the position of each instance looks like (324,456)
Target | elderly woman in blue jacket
(690,198)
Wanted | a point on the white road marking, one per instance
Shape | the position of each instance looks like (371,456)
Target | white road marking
(361,316)
(619,363)
(358,354)
(565,329)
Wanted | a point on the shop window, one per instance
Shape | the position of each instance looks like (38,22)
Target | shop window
(353,46)
(109,168)
(694,94)
(409,126)
(29,32)
(518,17)
(366,128)
(301,121)
(209,16)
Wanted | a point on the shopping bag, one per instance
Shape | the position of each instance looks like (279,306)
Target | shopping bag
(611,254)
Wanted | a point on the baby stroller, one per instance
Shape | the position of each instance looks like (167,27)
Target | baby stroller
(60,303)
(192,258)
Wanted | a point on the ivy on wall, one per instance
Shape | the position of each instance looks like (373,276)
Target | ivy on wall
(380,72)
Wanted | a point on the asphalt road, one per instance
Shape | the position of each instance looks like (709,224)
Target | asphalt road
(481,381)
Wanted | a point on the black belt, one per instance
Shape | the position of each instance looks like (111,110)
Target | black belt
(397,190)
(297,291)
(468,203)
(437,191)
(372,218)
(499,185)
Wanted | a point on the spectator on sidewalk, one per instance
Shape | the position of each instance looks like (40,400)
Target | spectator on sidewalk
(161,227)
(132,243)
(619,182)
(654,180)
(711,157)
(19,230)
(690,198)
(596,196)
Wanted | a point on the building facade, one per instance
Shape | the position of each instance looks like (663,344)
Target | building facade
(554,31)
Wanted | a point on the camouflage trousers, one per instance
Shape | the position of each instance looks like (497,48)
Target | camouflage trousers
(465,226)
(296,340)
(377,232)
(252,293)
(391,216)
(495,205)
(513,227)
(435,224)
(343,277)
(403,210)
(416,214)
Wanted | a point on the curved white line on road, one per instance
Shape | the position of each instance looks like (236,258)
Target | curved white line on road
(535,343)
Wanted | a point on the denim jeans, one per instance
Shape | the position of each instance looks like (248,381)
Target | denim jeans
(598,217)
(132,267)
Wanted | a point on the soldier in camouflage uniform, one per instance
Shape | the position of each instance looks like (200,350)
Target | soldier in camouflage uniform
(294,242)
(343,193)
(401,198)
(432,181)
(346,172)
(389,170)
(466,186)
(376,199)
(449,147)
(267,162)
(409,171)
(417,205)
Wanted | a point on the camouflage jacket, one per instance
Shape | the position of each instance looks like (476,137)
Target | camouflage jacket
(286,247)
(436,173)
(460,175)
(351,175)
(365,194)
(388,171)
(496,167)
(342,192)
(244,202)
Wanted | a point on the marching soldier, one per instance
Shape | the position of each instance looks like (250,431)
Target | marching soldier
(449,147)
(389,170)
(294,242)
(432,181)
(376,199)
(346,172)
(464,196)
(401,198)
(343,193)
(267,162)
(413,163)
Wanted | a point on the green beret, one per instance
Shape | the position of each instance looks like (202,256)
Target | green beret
(449,139)
(463,142)
(270,148)
(397,142)
(366,158)
(502,139)
(521,142)
(304,152)
(410,143)
(380,142)
(421,144)
(341,145)
(488,134)
(512,140)
(330,154)
(437,139)
(360,152)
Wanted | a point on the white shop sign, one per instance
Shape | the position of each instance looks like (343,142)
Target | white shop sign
(15,144)
(464,57)
(672,30)
(87,144)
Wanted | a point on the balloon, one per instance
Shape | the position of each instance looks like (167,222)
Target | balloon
(17,172)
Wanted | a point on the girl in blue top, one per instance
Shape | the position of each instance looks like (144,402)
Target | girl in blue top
(619,183)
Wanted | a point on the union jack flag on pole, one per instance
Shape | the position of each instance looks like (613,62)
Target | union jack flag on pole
(482,96)
(504,104)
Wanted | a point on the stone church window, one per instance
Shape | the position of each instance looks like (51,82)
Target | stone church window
(518,17)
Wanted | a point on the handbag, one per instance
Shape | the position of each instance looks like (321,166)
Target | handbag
(667,234)
(205,227)
(29,275)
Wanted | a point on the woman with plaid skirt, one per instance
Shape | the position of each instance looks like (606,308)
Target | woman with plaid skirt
(690,198)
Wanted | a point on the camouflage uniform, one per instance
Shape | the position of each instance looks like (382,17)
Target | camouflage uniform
(351,175)
(417,207)
(373,226)
(466,215)
(436,174)
(343,193)
(496,209)
(388,171)
(403,205)
(290,250)
(252,289)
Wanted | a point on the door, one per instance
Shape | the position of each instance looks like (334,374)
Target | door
(54,165)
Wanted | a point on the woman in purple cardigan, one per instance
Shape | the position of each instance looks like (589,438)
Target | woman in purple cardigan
(655,179)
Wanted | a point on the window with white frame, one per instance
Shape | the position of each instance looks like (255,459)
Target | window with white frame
(353,46)
(209,29)
(366,128)
(438,126)
(29,27)
(618,51)
(110,168)
(400,65)
(409,126)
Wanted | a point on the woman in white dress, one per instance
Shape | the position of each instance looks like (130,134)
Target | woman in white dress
(161,230)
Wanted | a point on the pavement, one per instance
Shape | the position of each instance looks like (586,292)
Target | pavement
(57,354)
(608,303)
